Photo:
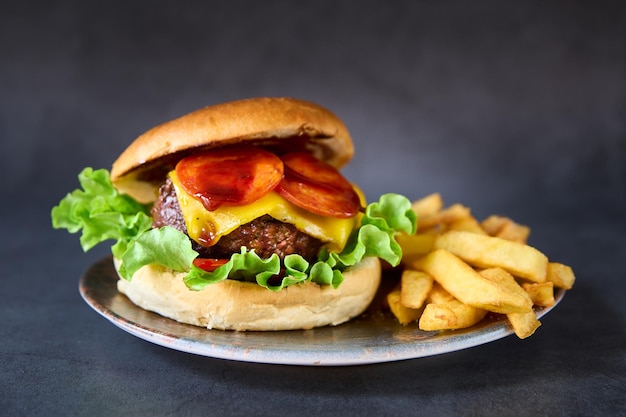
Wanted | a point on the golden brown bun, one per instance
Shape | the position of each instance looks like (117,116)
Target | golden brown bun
(264,121)
(235,305)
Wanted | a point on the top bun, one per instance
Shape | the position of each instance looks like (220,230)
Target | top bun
(261,121)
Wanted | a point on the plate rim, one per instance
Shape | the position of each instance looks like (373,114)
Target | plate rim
(425,346)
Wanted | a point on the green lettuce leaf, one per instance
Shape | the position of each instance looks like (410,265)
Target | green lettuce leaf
(392,212)
(323,273)
(248,266)
(166,246)
(101,213)
(376,236)
(243,266)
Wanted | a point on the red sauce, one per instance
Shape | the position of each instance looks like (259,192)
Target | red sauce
(233,176)
(209,264)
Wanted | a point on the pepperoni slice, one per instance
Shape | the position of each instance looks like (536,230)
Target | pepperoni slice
(233,176)
(317,186)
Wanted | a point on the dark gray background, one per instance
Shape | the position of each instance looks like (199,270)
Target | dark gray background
(516,108)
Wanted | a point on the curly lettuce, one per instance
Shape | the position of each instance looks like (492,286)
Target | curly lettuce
(101,213)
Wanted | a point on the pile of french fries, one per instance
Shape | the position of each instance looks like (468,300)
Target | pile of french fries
(456,270)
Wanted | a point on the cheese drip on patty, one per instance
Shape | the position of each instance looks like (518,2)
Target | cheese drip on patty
(208,226)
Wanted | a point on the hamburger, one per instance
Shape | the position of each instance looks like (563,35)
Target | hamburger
(236,217)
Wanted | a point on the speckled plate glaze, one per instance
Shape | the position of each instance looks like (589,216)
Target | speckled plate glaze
(372,338)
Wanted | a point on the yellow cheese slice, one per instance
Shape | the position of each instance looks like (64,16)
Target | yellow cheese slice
(209,226)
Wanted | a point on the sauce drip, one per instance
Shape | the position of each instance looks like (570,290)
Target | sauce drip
(230,176)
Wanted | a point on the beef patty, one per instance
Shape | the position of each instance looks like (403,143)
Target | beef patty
(265,234)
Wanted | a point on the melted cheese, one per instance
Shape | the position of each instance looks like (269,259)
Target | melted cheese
(202,223)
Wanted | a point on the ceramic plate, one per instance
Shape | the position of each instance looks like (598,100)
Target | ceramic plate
(372,338)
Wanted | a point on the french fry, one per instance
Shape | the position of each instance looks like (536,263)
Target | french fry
(405,315)
(514,232)
(505,228)
(562,276)
(524,324)
(469,287)
(451,316)
(457,269)
(502,277)
(438,295)
(468,224)
(542,293)
(444,312)
(486,251)
(415,246)
(448,215)
(493,224)
(428,205)
(434,230)
(414,288)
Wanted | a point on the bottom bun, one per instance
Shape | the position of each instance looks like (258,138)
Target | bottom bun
(237,305)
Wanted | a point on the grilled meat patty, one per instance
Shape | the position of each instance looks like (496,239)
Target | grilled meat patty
(265,234)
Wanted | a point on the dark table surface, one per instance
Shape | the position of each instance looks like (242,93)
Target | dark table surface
(515,108)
